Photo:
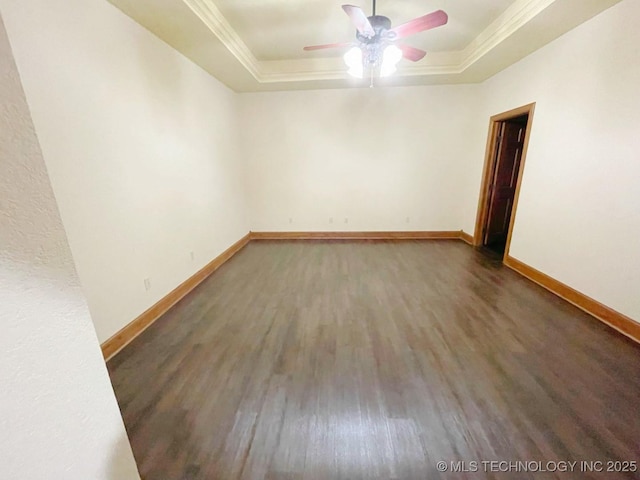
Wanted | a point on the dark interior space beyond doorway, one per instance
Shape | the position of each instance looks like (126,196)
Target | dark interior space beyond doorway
(510,137)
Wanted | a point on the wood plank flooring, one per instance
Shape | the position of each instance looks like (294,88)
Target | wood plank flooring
(374,360)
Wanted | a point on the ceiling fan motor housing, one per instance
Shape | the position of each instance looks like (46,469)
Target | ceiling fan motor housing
(381,25)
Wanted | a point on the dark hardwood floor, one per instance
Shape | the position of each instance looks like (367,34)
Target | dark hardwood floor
(375,360)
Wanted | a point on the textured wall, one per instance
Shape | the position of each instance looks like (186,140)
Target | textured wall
(58,414)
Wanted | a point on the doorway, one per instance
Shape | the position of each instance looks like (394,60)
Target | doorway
(504,161)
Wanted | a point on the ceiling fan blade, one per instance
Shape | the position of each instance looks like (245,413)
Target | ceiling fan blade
(412,53)
(360,20)
(427,22)
(329,45)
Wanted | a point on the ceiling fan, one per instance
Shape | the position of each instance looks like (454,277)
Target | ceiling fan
(376,48)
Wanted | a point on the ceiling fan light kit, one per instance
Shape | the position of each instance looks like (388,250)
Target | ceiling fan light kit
(375,51)
(372,56)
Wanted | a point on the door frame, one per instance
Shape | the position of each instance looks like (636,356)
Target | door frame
(489,167)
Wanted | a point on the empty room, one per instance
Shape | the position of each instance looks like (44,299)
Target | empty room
(310,240)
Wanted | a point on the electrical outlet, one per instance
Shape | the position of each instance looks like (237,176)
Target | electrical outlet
(346,220)
(290,220)
(330,219)
(408,220)
(147,284)
(193,256)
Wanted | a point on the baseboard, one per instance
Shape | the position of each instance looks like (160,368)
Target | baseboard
(466,238)
(614,319)
(442,235)
(118,341)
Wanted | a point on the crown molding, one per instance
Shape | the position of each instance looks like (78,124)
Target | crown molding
(439,63)
(333,68)
(211,16)
(510,21)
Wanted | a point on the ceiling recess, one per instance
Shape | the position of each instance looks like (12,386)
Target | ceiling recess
(229,39)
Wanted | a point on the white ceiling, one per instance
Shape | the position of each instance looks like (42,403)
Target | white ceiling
(254,45)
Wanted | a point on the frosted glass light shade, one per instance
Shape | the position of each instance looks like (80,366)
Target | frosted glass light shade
(353,60)
(390,58)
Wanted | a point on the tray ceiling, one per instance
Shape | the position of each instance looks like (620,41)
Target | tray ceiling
(255,45)
(277,30)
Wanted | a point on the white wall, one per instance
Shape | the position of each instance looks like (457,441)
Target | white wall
(58,413)
(372,156)
(578,218)
(141,149)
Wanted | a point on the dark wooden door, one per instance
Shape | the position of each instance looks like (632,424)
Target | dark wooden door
(505,178)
